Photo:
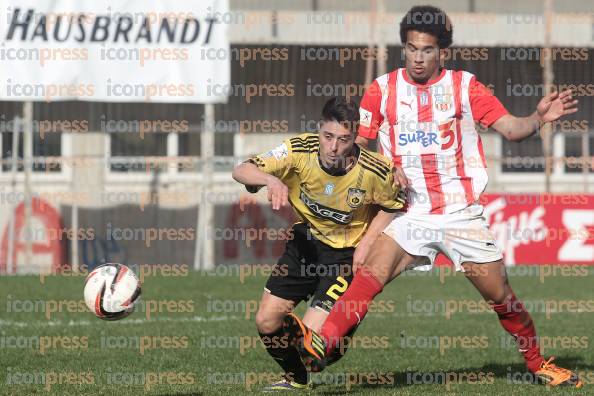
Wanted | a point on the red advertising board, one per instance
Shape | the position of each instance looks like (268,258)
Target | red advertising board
(528,228)
(541,228)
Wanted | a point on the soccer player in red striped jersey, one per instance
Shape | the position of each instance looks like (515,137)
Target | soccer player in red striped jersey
(423,117)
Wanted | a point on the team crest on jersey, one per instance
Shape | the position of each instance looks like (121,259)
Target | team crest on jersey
(443,102)
(355,197)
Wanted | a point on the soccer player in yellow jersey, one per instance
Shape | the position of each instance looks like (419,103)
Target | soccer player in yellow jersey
(344,196)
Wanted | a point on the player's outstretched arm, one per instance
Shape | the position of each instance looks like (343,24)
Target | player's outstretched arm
(379,223)
(552,107)
(248,174)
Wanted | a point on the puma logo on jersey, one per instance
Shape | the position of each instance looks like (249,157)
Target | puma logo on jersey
(402,102)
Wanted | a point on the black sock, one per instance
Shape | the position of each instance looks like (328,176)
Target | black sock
(286,355)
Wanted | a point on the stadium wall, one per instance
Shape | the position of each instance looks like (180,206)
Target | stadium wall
(76,172)
(529,228)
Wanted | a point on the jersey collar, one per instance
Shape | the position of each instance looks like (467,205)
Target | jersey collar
(428,83)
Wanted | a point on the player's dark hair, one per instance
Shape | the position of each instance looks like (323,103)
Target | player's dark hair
(342,110)
(428,19)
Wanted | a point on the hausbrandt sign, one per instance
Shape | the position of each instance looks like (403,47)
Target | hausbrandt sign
(133,51)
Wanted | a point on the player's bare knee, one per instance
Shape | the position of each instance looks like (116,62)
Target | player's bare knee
(502,295)
(266,321)
(499,293)
(270,316)
(377,267)
(498,298)
(495,294)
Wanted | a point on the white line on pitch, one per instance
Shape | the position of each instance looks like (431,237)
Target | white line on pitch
(51,323)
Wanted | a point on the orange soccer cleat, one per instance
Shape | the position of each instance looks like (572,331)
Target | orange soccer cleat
(553,375)
(311,345)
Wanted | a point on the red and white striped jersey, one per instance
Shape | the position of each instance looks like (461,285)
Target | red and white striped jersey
(429,130)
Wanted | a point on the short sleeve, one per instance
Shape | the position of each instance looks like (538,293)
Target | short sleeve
(485,106)
(369,111)
(277,162)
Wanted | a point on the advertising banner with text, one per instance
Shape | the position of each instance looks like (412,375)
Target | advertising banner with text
(138,51)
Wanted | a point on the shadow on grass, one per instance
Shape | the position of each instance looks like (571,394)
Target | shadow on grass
(182,394)
(513,374)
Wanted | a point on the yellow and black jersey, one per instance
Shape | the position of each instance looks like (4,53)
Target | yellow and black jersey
(338,209)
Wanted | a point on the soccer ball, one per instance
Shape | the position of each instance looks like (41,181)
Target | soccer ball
(111,290)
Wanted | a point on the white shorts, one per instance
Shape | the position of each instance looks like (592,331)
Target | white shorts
(462,236)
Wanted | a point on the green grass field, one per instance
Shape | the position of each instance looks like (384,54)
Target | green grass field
(424,337)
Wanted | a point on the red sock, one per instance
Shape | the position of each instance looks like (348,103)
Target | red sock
(517,321)
(351,308)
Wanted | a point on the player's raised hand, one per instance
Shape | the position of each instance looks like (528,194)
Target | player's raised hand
(556,105)
(278,193)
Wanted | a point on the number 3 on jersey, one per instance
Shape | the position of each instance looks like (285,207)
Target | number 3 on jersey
(337,289)
(447,134)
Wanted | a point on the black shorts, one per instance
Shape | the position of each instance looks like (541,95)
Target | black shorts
(311,269)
